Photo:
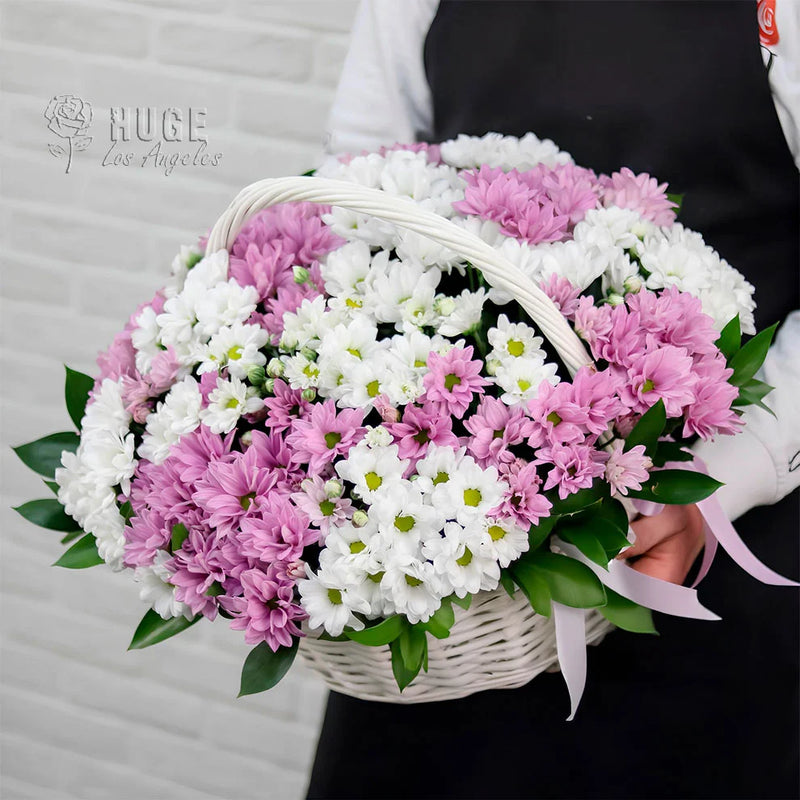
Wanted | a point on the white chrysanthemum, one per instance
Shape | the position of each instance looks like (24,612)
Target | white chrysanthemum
(462,561)
(145,338)
(236,347)
(605,233)
(729,294)
(423,251)
(187,257)
(507,152)
(157,592)
(403,518)
(306,326)
(357,548)
(411,351)
(519,378)
(570,260)
(109,457)
(301,372)
(108,527)
(436,469)
(330,601)
(227,403)
(359,383)
(403,387)
(465,314)
(365,170)
(472,491)
(367,228)
(178,414)
(106,411)
(224,305)
(344,270)
(504,540)
(404,292)
(412,586)
(355,341)
(211,270)
(622,276)
(513,340)
(434,187)
(78,490)
(377,436)
(372,469)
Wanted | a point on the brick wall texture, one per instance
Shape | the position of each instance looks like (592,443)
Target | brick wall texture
(81,717)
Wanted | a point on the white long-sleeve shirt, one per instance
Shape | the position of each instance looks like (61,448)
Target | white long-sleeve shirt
(383,97)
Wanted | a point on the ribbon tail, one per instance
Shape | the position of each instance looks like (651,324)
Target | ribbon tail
(734,546)
(708,553)
(658,595)
(570,624)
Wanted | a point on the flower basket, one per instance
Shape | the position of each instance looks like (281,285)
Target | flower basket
(339,428)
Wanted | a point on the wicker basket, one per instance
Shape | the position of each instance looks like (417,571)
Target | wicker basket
(500,642)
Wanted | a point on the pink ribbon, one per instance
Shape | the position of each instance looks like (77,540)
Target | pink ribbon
(570,624)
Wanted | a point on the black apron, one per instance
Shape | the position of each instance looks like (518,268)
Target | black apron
(708,709)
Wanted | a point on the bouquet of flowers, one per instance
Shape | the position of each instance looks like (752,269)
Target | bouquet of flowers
(339,428)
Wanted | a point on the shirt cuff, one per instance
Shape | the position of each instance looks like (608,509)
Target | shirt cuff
(746,468)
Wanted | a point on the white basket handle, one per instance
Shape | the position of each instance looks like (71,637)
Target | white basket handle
(497,270)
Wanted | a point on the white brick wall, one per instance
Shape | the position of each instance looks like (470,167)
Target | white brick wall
(83,718)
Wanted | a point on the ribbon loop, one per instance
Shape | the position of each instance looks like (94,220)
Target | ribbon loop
(570,624)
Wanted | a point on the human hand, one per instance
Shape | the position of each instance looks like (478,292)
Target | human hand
(668,543)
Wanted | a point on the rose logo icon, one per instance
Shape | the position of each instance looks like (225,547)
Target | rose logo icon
(69,117)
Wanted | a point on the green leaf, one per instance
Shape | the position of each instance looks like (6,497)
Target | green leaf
(402,674)
(381,634)
(309,173)
(537,535)
(751,356)
(507,582)
(588,544)
(676,198)
(44,455)
(179,535)
(153,629)
(648,429)
(677,487)
(465,602)
(627,615)
(442,620)
(52,486)
(570,582)
(412,641)
(671,451)
(578,500)
(81,555)
(264,669)
(76,392)
(730,338)
(753,393)
(533,585)
(126,510)
(612,539)
(48,514)
(71,536)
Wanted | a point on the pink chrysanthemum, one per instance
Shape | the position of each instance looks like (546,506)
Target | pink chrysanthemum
(286,406)
(625,342)
(322,435)
(563,293)
(495,427)
(421,425)
(574,190)
(268,268)
(146,534)
(555,417)
(522,212)
(279,532)
(712,411)
(664,374)
(592,323)
(642,193)
(523,502)
(626,470)
(267,612)
(452,380)
(597,394)
(322,510)
(574,467)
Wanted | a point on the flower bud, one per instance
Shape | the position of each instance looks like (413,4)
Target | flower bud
(333,489)
(492,365)
(288,342)
(309,395)
(444,305)
(269,386)
(309,354)
(360,518)
(301,275)
(633,284)
(256,375)
(615,299)
(246,439)
(275,368)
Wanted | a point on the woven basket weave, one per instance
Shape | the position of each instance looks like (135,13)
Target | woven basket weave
(500,642)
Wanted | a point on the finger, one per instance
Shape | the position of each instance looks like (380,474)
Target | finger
(650,531)
(669,560)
